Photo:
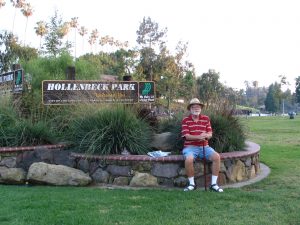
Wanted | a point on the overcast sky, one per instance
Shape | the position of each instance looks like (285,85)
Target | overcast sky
(253,40)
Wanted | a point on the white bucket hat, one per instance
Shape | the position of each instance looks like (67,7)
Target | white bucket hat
(195,101)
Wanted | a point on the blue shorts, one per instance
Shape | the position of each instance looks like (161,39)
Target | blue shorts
(197,151)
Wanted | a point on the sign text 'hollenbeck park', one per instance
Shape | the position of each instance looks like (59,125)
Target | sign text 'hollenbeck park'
(60,92)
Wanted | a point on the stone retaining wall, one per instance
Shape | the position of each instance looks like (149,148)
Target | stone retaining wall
(133,170)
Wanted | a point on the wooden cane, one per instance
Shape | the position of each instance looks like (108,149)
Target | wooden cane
(204,167)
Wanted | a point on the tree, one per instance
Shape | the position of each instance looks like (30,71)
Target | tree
(82,32)
(124,62)
(53,39)
(287,101)
(254,95)
(41,30)
(209,87)
(149,33)
(214,94)
(272,102)
(74,25)
(26,11)
(18,4)
(145,66)
(167,84)
(149,36)
(298,89)
(174,76)
(188,85)
(12,52)
(93,38)
(64,29)
(7,57)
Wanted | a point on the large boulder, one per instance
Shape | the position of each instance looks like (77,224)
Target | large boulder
(119,170)
(161,141)
(9,162)
(167,170)
(237,172)
(100,176)
(57,175)
(12,175)
(143,180)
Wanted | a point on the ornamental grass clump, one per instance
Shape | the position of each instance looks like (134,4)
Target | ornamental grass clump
(28,133)
(8,117)
(110,131)
(228,133)
(16,129)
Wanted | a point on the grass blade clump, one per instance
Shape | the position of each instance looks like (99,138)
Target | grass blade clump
(18,130)
(109,131)
(228,133)
(28,133)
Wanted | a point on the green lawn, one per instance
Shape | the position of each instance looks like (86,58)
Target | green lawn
(275,200)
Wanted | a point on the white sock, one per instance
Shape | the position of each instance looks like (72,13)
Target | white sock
(191,181)
(214,179)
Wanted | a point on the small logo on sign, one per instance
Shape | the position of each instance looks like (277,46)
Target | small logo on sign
(147,89)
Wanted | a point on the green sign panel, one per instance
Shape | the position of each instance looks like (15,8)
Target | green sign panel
(146,92)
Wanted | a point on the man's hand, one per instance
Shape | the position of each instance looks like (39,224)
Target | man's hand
(201,137)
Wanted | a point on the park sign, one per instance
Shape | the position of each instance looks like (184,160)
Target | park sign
(11,82)
(63,92)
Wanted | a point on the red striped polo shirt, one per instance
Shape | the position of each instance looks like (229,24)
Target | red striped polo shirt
(189,126)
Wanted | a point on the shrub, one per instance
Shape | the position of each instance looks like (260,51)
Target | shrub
(86,70)
(18,128)
(27,133)
(109,131)
(228,133)
(47,68)
(8,118)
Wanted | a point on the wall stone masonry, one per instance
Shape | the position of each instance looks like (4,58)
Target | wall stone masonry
(132,170)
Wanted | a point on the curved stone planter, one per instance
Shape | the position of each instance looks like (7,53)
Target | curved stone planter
(135,170)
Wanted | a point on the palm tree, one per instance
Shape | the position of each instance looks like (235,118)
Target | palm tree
(102,42)
(74,24)
(2,3)
(93,38)
(82,32)
(64,29)
(27,11)
(126,44)
(106,40)
(18,4)
(41,30)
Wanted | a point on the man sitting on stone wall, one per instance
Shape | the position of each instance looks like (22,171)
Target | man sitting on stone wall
(196,131)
